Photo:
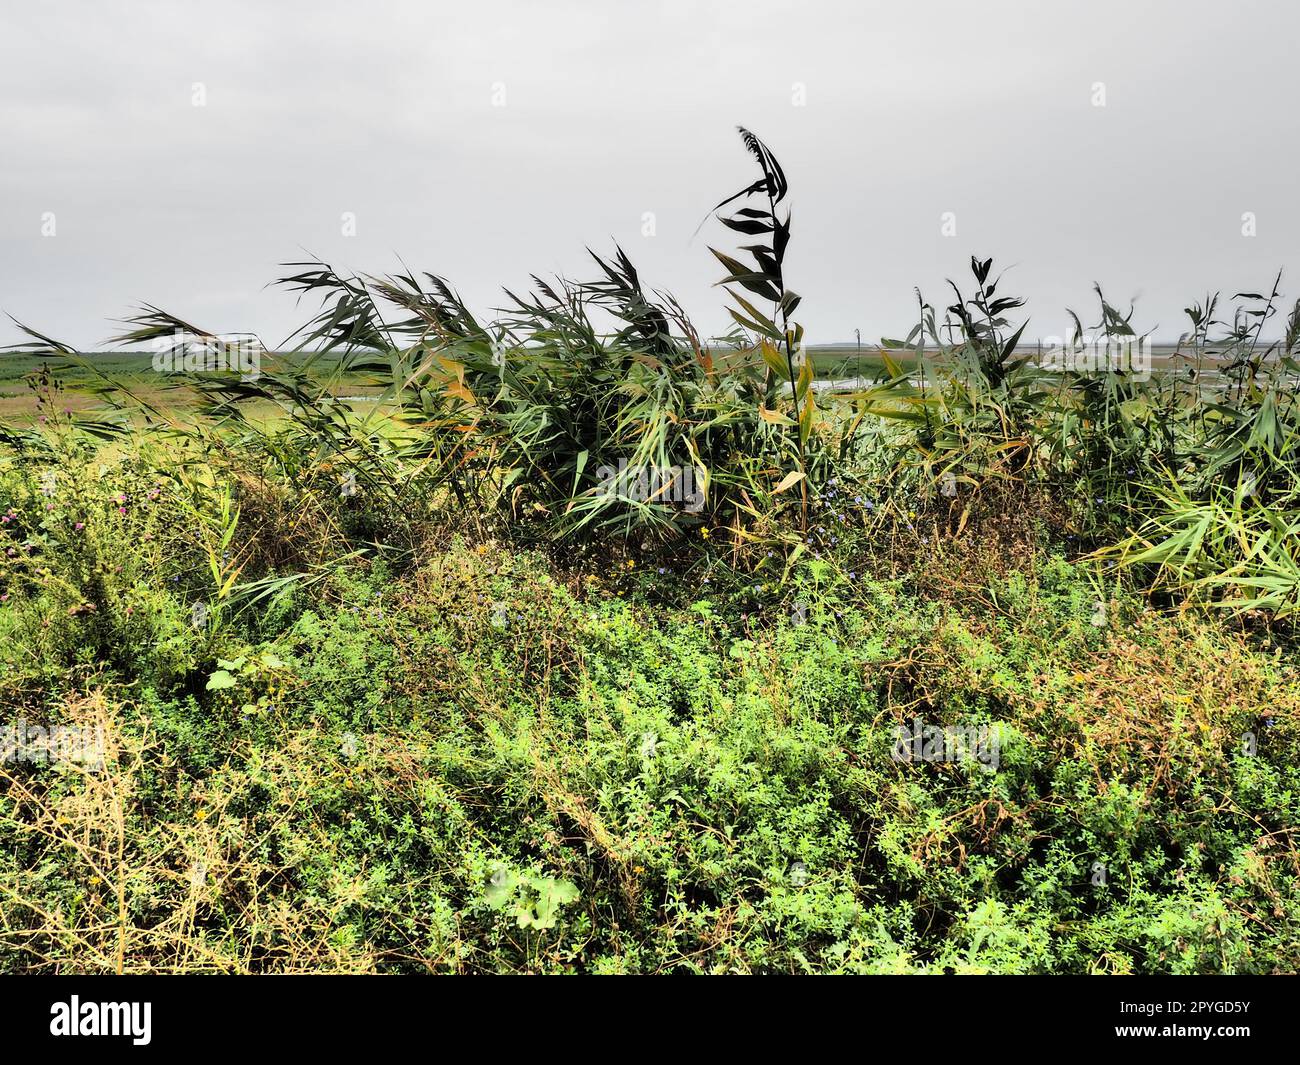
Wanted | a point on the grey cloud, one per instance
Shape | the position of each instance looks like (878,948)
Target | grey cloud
(613,110)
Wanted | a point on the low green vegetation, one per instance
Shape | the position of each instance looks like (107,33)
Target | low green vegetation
(594,646)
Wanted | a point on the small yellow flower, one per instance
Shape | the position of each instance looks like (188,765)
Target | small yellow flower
(95,881)
(201,815)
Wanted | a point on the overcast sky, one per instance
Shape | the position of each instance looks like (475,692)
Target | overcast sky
(886,116)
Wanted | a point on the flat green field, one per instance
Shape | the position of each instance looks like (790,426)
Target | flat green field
(130,372)
(133,373)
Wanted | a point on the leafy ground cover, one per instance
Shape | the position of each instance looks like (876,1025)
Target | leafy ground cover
(591,646)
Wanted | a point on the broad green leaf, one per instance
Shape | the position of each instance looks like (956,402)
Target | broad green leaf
(220,680)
